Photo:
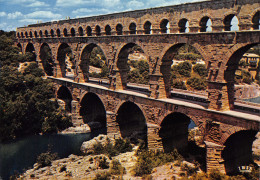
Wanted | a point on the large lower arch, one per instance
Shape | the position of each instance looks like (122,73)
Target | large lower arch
(132,123)
(46,58)
(238,151)
(86,54)
(123,68)
(93,112)
(65,59)
(30,50)
(232,66)
(165,67)
(174,132)
(64,94)
(191,54)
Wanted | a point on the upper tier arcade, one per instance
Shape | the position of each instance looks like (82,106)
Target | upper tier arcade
(208,26)
(189,17)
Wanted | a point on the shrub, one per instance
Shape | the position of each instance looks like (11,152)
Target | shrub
(120,146)
(123,145)
(45,159)
(184,68)
(116,168)
(147,160)
(189,170)
(200,69)
(103,176)
(178,84)
(197,83)
(143,166)
(187,56)
(102,162)
(215,174)
(140,73)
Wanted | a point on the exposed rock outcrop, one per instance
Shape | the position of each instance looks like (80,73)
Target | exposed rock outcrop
(24,65)
(88,146)
(76,130)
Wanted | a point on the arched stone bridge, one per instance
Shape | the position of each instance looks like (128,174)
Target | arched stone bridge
(153,115)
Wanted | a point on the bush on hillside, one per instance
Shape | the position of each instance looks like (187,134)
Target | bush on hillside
(178,84)
(120,146)
(200,69)
(116,168)
(183,68)
(197,83)
(147,160)
(45,159)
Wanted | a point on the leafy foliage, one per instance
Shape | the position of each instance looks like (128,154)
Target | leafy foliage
(98,60)
(147,160)
(183,68)
(187,56)
(197,83)
(179,84)
(200,69)
(103,176)
(189,170)
(45,159)
(9,54)
(26,105)
(120,146)
(139,73)
(116,168)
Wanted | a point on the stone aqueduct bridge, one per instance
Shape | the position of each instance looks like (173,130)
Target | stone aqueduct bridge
(153,115)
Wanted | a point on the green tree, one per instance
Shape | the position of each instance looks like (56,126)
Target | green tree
(26,99)
(178,84)
(183,68)
(200,69)
(197,83)
(139,72)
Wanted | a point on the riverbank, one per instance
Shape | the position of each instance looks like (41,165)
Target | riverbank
(21,153)
(77,130)
(87,167)
(90,166)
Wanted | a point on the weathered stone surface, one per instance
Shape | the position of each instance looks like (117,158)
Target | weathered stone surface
(88,146)
(247,91)
(22,66)
(78,129)
(220,50)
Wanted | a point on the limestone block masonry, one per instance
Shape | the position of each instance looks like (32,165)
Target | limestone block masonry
(152,114)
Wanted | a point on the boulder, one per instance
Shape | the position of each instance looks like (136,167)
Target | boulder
(88,146)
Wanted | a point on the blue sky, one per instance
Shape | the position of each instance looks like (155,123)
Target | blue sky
(18,13)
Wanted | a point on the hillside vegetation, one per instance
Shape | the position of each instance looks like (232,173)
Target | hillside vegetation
(27,104)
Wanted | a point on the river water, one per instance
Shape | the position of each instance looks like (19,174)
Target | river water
(21,153)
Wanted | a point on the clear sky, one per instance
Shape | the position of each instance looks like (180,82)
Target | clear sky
(17,13)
